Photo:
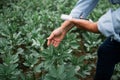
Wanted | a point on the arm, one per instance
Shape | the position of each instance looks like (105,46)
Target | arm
(86,25)
(82,9)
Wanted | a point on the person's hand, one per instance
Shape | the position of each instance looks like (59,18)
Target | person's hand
(56,37)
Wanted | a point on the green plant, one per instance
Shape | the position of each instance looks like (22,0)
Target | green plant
(24,55)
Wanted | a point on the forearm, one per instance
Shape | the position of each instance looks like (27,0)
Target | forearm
(67,25)
(86,25)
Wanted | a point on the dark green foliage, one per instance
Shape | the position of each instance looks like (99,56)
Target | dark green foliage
(24,55)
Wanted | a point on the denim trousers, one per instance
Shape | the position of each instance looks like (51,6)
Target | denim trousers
(108,55)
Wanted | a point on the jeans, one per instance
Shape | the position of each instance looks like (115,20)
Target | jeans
(108,55)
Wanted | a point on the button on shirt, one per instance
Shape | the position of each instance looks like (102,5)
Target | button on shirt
(108,24)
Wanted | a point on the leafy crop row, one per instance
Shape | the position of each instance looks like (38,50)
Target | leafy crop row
(24,55)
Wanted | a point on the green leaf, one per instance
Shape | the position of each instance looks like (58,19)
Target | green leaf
(60,69)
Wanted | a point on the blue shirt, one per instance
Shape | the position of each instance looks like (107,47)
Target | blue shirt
(108,24)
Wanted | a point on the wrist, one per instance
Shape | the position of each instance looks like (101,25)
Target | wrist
(63,30)
(66,26)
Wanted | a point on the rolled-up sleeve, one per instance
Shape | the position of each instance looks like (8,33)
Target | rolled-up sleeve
(109,24)
(83,8)
(105,24)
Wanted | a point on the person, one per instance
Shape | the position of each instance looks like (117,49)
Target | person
(108,24)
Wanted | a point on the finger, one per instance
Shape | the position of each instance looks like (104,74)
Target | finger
(57,40)
(49,42)
(51,36)
(57,43)
(54,44)
(49,39)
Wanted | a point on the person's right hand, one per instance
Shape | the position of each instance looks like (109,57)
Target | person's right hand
(56,37)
